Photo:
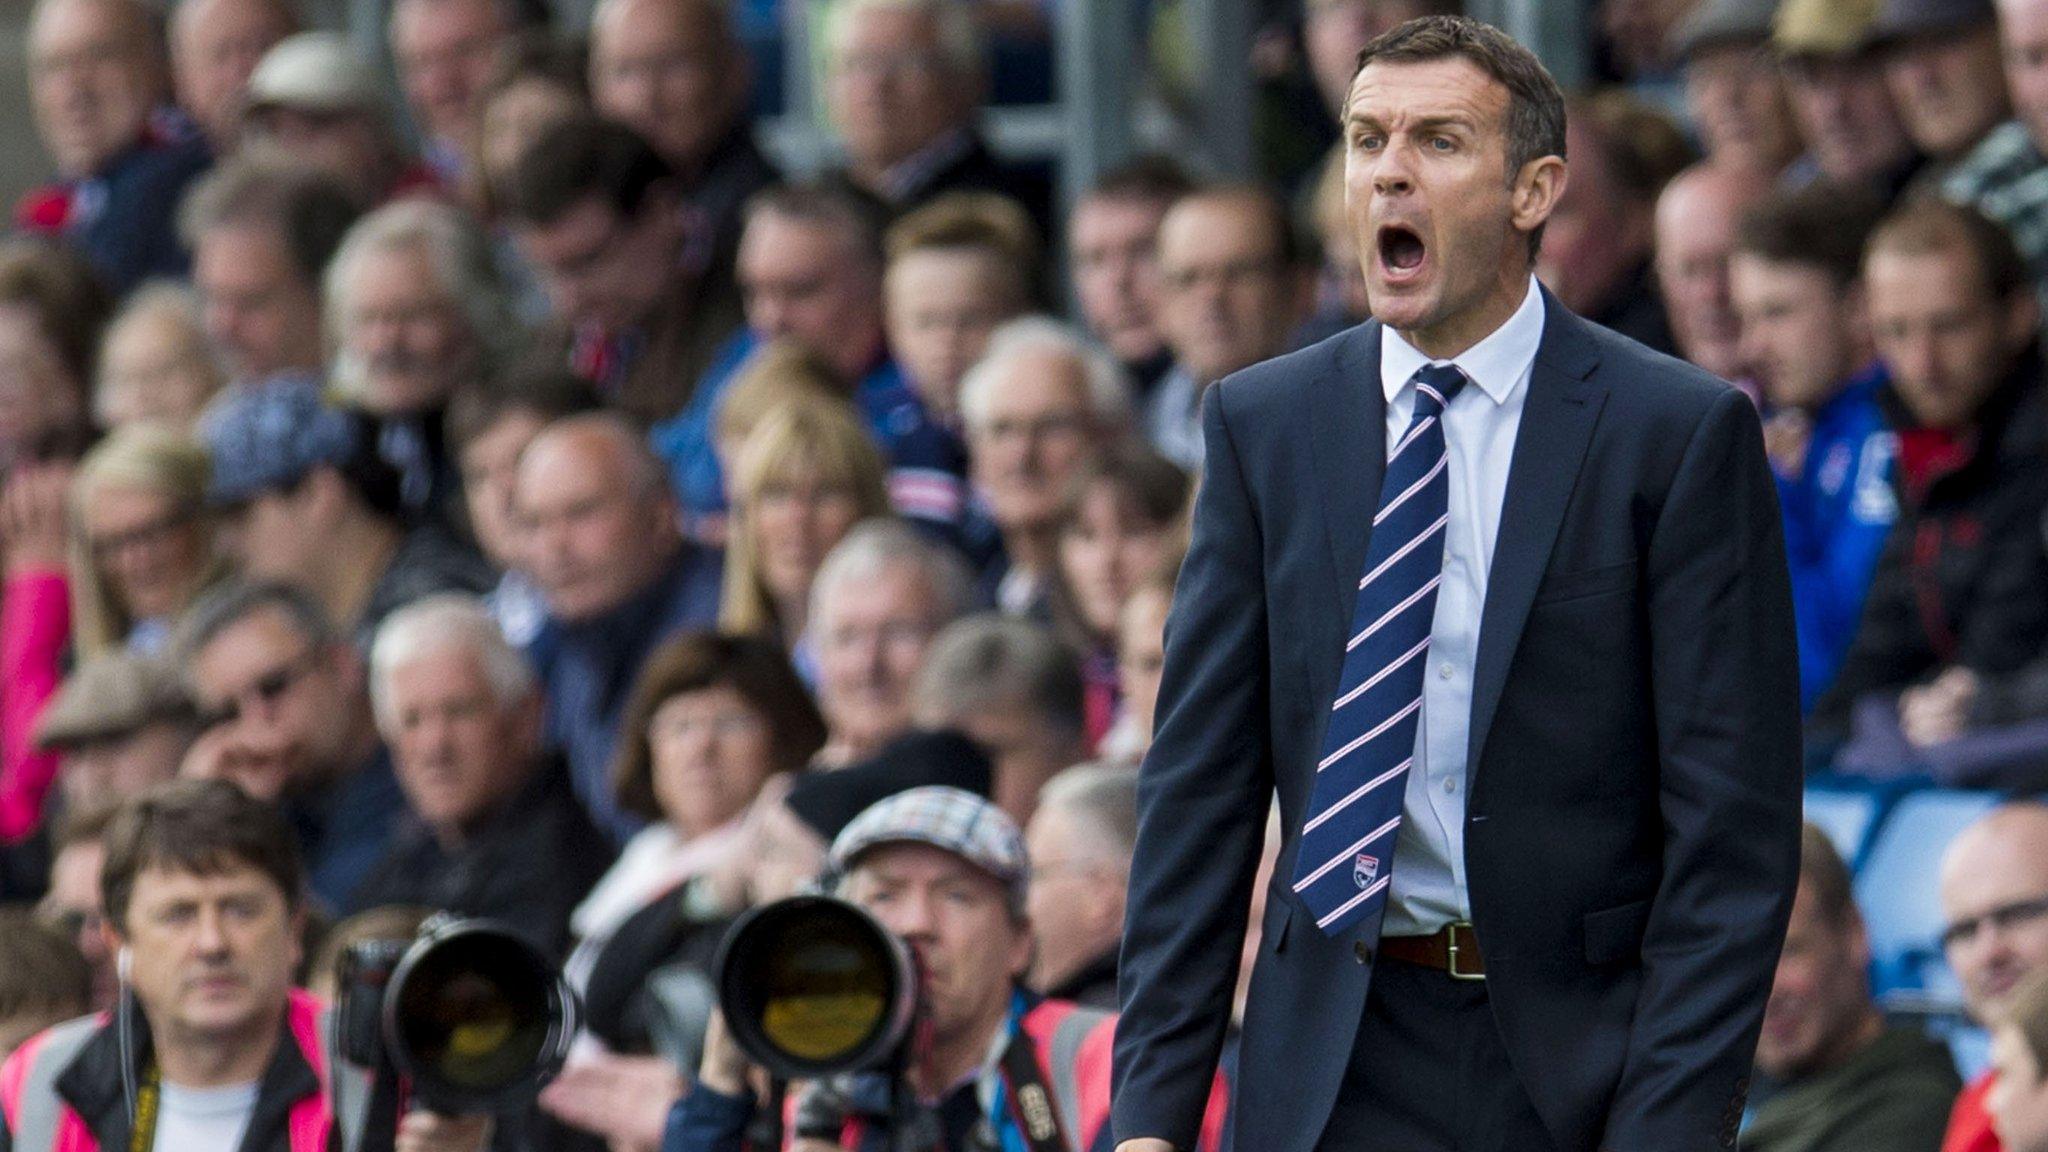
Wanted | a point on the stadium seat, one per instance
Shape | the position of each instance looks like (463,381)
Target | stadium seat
(1847,812)
(1898,885)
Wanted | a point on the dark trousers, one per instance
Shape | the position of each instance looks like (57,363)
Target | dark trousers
(1428,1073)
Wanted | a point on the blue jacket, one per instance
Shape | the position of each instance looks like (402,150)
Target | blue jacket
(123,219)
(1838,510)
(589,667)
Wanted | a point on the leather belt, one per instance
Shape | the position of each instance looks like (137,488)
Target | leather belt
(1452,949)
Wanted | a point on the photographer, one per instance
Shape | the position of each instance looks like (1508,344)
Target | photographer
(946,871)
(202,890)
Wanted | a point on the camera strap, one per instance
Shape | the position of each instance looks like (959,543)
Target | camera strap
(1029,1098)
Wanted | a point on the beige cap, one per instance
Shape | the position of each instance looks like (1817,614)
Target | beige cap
(1825,27)
(114,696)
(317,71)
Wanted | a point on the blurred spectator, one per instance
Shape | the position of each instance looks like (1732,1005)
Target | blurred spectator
(1012,688)
(1844,1080)
(261,229)
(215,45)
(1333,31)
(1956,594)
(2004,175)
(304,498)
(1038,406)
(1734,90)
(315,99)
(51,313)
(806,475)
(539,81)
(143,547)
(285,715)
(1341,299)
(400,923)
(1797,282)
(2019,1056)
(1637,37)
(443,50)
(1597,243)
(72,905)
(1234,283)
(1112,255)
(1994,899)
(1117,522)
(1834,75)
(876,603)
(826,802)
(904,82)
(783,372)
(121,724)
(1140,657)
(599,218)
(96,78)
(1941,61)
(488,429)
(493,828)
(958,267)
(618,579)
(155,366)
(1080,841)
(673,71)
(43,978)
(1694,230)
(415,311)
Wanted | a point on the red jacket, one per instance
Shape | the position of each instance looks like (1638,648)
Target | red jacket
(1969,1126)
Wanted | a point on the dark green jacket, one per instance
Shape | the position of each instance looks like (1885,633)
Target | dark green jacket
(1893,1096)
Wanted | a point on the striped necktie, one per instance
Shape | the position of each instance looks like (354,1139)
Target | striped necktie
(1354,812)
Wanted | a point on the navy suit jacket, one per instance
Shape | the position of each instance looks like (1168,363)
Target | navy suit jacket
(1632,834)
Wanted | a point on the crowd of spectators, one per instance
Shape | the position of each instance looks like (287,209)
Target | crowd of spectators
(546,508)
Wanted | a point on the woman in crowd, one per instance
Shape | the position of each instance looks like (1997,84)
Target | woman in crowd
(1119,521)
(51,313)
(804,477)
(142,543)
(1140,657)
(155,365)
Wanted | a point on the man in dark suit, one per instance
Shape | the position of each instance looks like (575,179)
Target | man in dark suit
(1568,692)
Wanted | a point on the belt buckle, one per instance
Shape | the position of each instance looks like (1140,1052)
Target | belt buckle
(1452,948)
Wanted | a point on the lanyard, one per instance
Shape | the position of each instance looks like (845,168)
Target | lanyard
(147,1097)
(1017,1101)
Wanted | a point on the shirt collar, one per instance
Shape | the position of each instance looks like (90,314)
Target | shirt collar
(1496,364)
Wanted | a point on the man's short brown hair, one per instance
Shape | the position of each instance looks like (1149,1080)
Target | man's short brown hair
(1925,226)
(202,827)
(1823,226)
(41,969)
(1826,875)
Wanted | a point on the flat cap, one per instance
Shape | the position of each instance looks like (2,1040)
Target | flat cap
(115,696)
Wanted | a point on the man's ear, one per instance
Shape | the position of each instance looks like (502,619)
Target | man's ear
(2022,318)
(1535,192)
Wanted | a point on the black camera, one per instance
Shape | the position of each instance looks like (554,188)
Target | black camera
(812,986)
(475,1016)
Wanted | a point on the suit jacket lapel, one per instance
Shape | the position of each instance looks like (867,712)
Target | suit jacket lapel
(1557,423)
(1349,439)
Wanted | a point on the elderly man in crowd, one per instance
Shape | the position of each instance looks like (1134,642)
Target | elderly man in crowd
(121,723)
(673,71)
(494,828)
(905,80)
(286,717)
(72,905)
(1112,257)
(261,230)
(1081,839)
(1994,897)
(1010,686)
(1038,406)
(415,311)
(878,600)
(2006,175)
(444,50)
(1233,284)
(599,216)
(1845,1080)
(1941,62)
(1694,229)
(315,98)
(618,579)
(1734,91)
(215,45)
(96,77)
(1834,76)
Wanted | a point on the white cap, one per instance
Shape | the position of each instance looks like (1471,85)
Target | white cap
(317,71)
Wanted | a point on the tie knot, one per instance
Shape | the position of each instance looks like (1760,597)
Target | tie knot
(1436,385)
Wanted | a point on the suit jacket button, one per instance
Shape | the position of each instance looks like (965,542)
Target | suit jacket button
(1363,951)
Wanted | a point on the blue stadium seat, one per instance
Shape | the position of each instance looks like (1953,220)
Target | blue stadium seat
(1847,812)
(1898,885)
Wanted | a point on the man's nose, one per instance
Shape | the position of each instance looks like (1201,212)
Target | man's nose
(1392,174)
(211,935)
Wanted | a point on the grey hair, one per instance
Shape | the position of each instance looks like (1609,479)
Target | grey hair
(874,546)
(228,605)
(959,33)
(1109,388)
(1105,794)
(439,623)
(989,661)
(462,261)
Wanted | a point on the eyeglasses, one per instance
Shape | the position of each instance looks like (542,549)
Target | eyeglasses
(266,690)
(721,724)
(2003,918)
(146,535)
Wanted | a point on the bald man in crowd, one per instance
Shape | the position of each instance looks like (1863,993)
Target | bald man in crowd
(1695,232)
(96,80)
(215,45)
(617,578)
(1994,900)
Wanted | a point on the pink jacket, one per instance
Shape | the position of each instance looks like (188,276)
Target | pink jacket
(35,626)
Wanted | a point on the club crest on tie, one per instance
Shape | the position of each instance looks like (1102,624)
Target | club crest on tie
(1365,869)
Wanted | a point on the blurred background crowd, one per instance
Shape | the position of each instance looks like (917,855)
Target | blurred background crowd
(572,459)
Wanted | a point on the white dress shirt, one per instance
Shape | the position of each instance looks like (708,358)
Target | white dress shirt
(1428,889)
